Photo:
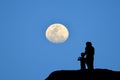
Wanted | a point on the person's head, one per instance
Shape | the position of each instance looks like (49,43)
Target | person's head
(82,54)
(88,43)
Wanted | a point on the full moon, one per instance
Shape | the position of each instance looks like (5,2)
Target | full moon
(57,33)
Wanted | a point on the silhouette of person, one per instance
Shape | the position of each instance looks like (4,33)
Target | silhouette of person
(89,52)
(82,61)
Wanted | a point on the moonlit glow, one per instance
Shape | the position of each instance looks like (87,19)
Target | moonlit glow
(57,33)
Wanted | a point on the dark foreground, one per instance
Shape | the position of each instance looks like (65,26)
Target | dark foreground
(96,74)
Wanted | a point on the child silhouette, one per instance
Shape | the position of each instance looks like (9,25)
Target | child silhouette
(82,61)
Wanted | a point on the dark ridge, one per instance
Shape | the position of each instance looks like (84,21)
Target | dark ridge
(96,74)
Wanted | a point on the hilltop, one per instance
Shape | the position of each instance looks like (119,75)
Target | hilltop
(96,74)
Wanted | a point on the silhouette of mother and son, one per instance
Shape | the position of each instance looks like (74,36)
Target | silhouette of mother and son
(87,57)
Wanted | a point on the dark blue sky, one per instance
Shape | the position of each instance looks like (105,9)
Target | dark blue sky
(26,54)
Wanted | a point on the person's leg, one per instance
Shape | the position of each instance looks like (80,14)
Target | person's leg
(84,66)
(87,63)
(91,64)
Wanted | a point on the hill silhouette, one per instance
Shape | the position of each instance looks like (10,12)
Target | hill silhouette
(96,74)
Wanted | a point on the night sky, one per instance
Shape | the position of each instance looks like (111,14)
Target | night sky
(26,54)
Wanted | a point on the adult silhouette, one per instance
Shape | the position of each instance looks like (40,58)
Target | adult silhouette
(89,52)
